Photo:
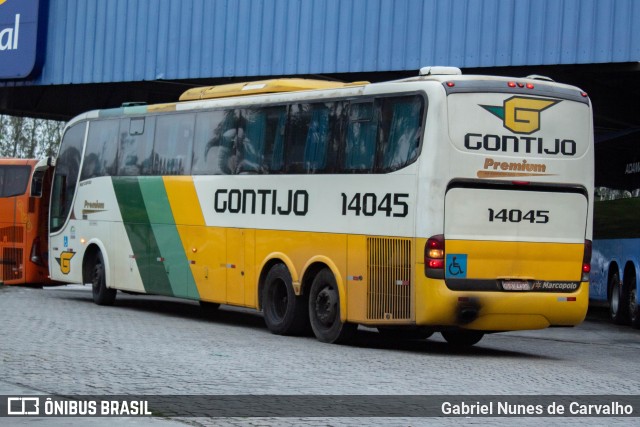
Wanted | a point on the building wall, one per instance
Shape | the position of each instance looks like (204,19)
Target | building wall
(101,41)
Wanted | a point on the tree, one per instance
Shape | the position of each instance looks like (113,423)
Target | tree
(23,137)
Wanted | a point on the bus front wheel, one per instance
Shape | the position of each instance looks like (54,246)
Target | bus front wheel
(324,310)
(101,294)
(618,301)
(284,312)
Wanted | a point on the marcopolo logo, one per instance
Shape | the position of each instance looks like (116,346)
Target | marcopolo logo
(521,115)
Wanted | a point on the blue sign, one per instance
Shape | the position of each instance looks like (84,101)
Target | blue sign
(18,38)
(456,266)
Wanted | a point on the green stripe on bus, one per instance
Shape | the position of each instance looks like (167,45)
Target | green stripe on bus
(138,227)
(172,255)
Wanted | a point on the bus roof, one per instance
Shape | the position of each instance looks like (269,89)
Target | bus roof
(15,161)
(262,86)
(441,75)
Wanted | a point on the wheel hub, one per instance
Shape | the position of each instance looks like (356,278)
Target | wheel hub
(326,309)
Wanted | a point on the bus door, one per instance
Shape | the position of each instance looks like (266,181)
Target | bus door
(240,254)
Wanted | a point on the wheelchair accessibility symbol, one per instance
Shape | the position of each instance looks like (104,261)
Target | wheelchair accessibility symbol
(456,265)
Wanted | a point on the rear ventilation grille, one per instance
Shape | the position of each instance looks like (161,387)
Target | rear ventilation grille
(11,234)
(11,264)
(390,286)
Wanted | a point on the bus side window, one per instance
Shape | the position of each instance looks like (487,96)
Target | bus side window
(214,151)
(277,150)
(14,180)
(312,133)
(360,146)
(402,116)
(296,136)
(173,144)
(101,151)
(315,148)
(136,146)
(251,150)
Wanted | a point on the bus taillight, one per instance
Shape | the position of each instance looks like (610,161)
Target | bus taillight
(434,257)
(586,261)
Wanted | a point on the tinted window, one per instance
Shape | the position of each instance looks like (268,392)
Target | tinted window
(261,147)
(313,137)
(173,144)
(215,143)
(14,180)
(374,135)
(136,146)
(66,175)
(361,138)
(400,131)
(102,147)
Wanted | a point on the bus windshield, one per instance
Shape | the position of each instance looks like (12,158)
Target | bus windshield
(13,180)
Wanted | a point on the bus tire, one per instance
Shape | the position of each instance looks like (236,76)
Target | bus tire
(101,294)
(324,310)
(618,301)
(462,338)
(284,312)
(634,309)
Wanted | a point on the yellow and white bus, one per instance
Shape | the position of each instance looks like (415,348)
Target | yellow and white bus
(439,203)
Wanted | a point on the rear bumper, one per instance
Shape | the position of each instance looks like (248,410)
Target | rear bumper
(439,306)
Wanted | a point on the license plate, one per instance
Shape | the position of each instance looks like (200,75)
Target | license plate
(516,285)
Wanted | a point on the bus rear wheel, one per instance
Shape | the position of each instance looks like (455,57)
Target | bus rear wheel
(462,338)
(284,312)
(101,294)
(618,301)
(324,310)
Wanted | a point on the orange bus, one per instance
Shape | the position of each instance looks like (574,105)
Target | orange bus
(25,187)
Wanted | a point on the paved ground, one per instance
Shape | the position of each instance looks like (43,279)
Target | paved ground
(56,341)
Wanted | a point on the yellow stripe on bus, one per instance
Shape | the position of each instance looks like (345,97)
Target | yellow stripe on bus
(204,247)
(183,199)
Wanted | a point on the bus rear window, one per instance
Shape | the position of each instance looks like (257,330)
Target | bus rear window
(14,180)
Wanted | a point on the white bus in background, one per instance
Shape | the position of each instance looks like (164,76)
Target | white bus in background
(616,244)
